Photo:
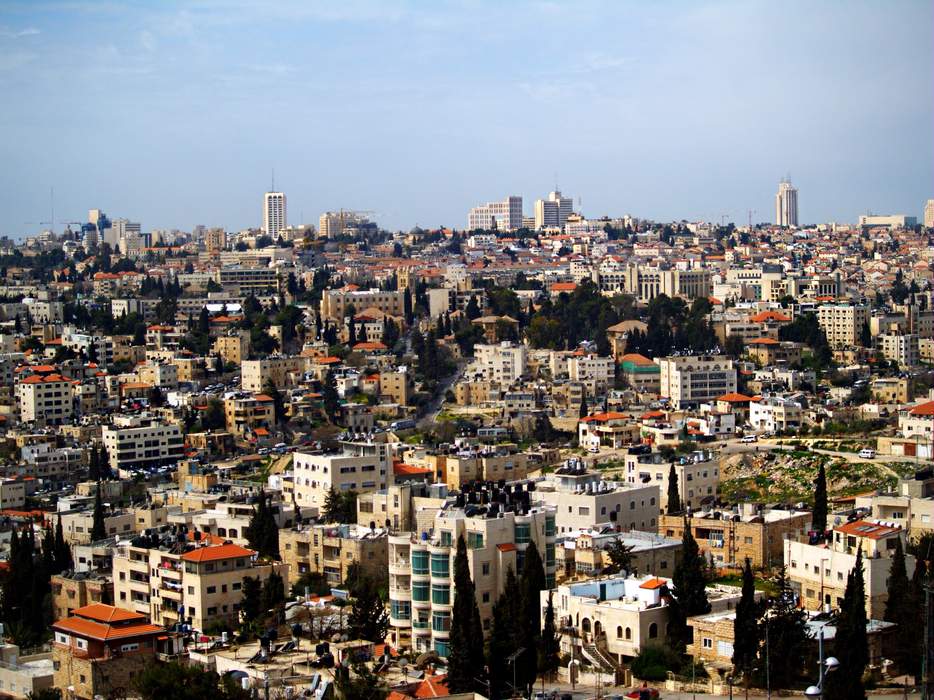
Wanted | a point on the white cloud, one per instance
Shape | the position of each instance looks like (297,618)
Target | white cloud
(8,33)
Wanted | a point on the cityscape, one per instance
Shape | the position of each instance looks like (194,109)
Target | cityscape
(594,442)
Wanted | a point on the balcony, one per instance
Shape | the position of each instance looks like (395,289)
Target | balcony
(400,566)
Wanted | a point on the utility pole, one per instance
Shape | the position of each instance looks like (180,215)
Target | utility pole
(926,655)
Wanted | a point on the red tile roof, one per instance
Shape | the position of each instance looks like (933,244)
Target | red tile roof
(224,551)
(103,632)
(734,397)
(923,409)
(867,529)
(604,417)
(764,316)
(653,583)
(107,613)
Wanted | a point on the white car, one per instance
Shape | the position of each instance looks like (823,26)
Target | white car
(750,438)
(867,453)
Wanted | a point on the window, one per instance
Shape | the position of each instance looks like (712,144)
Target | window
(400,609)
(486,596)
(708,643)
(475,540)
(629,633)
(211,589)
(440,594)
(523,533)
(653,631)
(485,568)
(235,586)
(747,540)
(129,647)
(445,538)
(619,632)
(420,563)
(441,621)
(440,565)
(420,591)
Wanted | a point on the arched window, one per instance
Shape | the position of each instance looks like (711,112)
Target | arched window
(619,632)
(585,625)
(653,631)
(628,633)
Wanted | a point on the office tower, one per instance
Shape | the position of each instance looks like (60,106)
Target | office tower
(505,215)
(274,215)
(554,211)
(929,214)
(786,205)
(119,229)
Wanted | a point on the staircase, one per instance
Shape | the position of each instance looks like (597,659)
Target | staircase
(598,658)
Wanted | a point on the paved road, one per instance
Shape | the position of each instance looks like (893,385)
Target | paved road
(587,693)
(434,407)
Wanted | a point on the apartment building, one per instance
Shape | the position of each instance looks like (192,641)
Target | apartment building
(141,441)
(199,583)
(698,475)
(46,399)
(76,589)
(773,413)
(331,550)
(161,374)
(234,347)
(585,554)
(77,525)
(335,302)
(843,323)
(360,467)
(466,465)
(646,282)
(281,371)
(640,373)
(818,572)
(25,675)
(246,413)
(901,348)
(45,461)
(101,649)
(409,506)
(249,279)
(607,429)
(397,385)
(594,372)
(582,500)
(917,423)
(421,567)
(691,380)
(731,535)
(12,493)
(504,363)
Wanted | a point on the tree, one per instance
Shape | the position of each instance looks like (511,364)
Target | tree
(583,411)
(358,683)
(63,558)
(465,658)
(549,645)
(98,528)
(850,643)
(620,557)
(183,682)
(94,464)
(252,603)
(747,634)
(785,634)
(690,589)
(531,584)
(273,593)
(472,309)
(900,609)
(819,515)
(278,403)
(674,497)
(329,397)
(214,417)
(501,644)
(263,533)
(407,307)
(368,617)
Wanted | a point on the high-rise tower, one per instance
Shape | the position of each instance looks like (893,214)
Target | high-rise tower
(786,204)
(274,218)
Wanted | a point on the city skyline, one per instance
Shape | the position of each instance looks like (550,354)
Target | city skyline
(417,114)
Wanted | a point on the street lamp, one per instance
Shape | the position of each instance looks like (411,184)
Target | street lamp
(826,666)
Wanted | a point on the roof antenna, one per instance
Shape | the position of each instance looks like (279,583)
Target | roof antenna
(273,180)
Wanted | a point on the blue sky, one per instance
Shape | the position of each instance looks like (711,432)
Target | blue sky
(174,114)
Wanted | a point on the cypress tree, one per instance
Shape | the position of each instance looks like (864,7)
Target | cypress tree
(674,496)
(746,631)
(530,626)
(98,529)
(465,657)
(251,606)
(690,590)
(48,552)
(63,558)
(901,609)
(273,591)
(262,533)
(584,410)
(549,645)
(407,307)
(819,516)
(501,646)
(850,644)
(787,635)
(94,465)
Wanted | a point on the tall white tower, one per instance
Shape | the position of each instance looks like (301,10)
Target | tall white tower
(274,218)
(786,205)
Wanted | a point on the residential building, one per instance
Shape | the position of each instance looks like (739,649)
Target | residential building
(607,429)
(12,494)
(929,214)
(360,467)
(274,213)
(731,535)
(76,589)
(640,373)
(234,347)
(281,371)
(901,348)
(843,323)
(421,568)
(46,399)
(331,549)
(585,553)
(691,380)
(45,461)
(698,475)
(25,675)
(141,441)
(335,302)
(101,650)
(246,413)
(818,572)
(772,413)
(215,240)
(505,215)
(505,362)
(887,221)
(198,583)
(786,205)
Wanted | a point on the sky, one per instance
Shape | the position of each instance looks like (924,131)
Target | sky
(176,113)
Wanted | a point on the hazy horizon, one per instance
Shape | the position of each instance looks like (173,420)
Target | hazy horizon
(175,115)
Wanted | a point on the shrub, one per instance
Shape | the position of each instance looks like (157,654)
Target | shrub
(654,662)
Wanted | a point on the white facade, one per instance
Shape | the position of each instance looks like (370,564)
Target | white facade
(274,213)
(786,205)
(692,380)
(553,212)
(137,442)
(505,362)
(929,214)
(505,215)
(361,467)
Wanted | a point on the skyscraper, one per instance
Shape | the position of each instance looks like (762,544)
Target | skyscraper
(554,211)
(274,218)
(786,204)
(929,214)
(505,215)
